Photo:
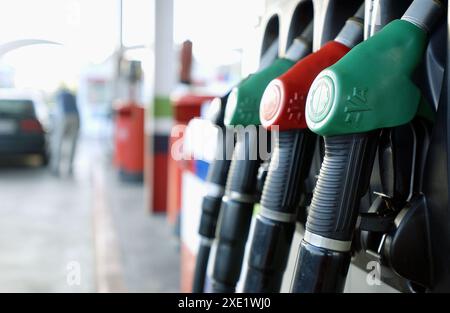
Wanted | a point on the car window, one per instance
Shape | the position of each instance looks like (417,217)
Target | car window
(16,107)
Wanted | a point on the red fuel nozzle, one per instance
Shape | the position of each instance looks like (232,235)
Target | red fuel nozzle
(283,101)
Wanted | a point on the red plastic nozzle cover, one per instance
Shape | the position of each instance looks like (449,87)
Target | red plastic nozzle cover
(283,101)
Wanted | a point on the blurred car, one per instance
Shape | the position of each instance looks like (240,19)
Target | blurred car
(23,121)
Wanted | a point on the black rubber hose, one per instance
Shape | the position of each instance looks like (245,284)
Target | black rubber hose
(236,213)
(275,225)
(215,180)
(201,265)
(212,201)
(324,255)
(343,179)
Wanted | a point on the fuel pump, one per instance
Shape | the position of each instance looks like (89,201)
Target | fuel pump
(241,189)
(129,135)
(349,103)
(283,107)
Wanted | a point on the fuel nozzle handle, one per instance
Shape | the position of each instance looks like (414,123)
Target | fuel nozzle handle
(217,174)
(215,188)
(236,212)
(369,89)
(275,224)
(348,98)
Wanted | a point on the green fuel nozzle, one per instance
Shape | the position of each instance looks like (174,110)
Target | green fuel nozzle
(371,86)
(243,101)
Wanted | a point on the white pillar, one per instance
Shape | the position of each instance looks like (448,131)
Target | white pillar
(164,48)
(159,117)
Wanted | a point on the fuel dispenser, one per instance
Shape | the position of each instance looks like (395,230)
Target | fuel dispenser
(129,124)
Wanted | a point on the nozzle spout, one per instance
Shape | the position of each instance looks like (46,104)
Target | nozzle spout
(423,13)
(352,32)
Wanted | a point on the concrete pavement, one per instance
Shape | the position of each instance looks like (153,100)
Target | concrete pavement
(85,233)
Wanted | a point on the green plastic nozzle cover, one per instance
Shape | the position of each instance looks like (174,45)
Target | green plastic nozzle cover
(243,101)
(371,86)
